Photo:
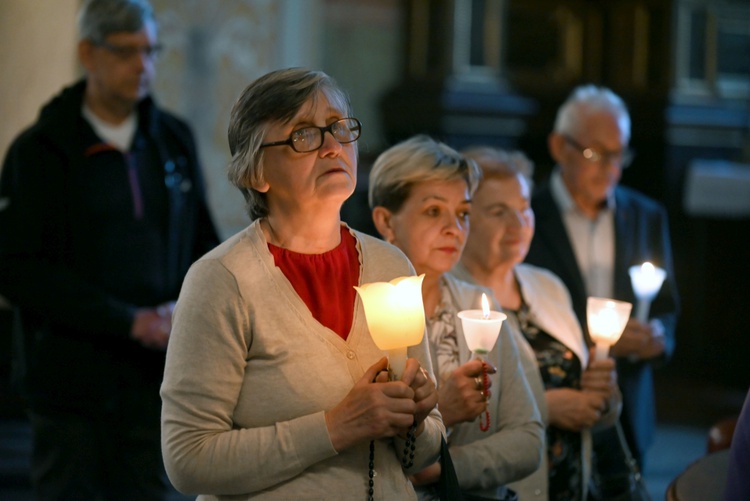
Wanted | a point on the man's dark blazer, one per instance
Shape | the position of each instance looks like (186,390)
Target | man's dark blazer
(641,234)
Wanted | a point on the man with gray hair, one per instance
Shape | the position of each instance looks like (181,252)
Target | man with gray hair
(591,230)
(106,211)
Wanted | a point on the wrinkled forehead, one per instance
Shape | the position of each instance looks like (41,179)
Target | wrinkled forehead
(337,100)
(326,100)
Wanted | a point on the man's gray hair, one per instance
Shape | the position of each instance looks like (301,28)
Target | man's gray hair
(587,99)
(100,18)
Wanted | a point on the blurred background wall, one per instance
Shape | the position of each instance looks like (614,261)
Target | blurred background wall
(37,57)
(471,71)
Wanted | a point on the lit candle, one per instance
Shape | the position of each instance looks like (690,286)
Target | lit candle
(647,280)
(606,319)
(481,327)
(395,317)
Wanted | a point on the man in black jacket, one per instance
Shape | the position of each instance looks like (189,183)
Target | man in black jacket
(103,212)
(590,231)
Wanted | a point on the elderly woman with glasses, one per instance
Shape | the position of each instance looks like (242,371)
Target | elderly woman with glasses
(273,387)
(420,195)
(580,393)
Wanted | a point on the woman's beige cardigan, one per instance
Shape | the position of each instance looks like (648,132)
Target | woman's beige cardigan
(250,372)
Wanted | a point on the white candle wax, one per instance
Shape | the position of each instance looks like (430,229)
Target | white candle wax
(396,362)
(602,351)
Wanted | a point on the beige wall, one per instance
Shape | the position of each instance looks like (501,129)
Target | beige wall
(37,57)
(213,49)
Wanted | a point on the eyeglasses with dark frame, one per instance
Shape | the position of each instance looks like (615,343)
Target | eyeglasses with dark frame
(127,52)
(622,159)
(307,139)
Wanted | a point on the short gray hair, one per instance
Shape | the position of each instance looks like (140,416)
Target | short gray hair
(100,18)
(273,98)
(497,163)
(589,98)
(416,160)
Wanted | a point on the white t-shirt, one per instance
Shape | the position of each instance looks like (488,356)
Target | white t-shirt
(120,136)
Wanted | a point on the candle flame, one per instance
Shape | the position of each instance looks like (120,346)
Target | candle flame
(485,306)
(646,280)
(605,323)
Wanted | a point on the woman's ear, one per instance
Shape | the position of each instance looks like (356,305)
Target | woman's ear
(260,186)
(382,219)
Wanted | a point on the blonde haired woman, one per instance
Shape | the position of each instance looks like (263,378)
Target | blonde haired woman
(420,194)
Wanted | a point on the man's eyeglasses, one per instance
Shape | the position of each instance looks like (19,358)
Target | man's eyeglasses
(128,52)
(345,130)
(621,159)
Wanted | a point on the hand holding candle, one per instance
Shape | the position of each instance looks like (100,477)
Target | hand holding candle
(481,329)
(395,317)
(646,280)
(606,320)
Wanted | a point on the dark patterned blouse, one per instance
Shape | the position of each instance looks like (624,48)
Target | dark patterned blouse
(560,368)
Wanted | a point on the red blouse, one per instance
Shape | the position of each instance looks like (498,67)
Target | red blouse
(325,282)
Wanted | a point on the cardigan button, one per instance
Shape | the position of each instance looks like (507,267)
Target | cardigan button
(351,355)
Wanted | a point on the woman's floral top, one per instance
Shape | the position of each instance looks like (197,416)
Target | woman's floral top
(560,368)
